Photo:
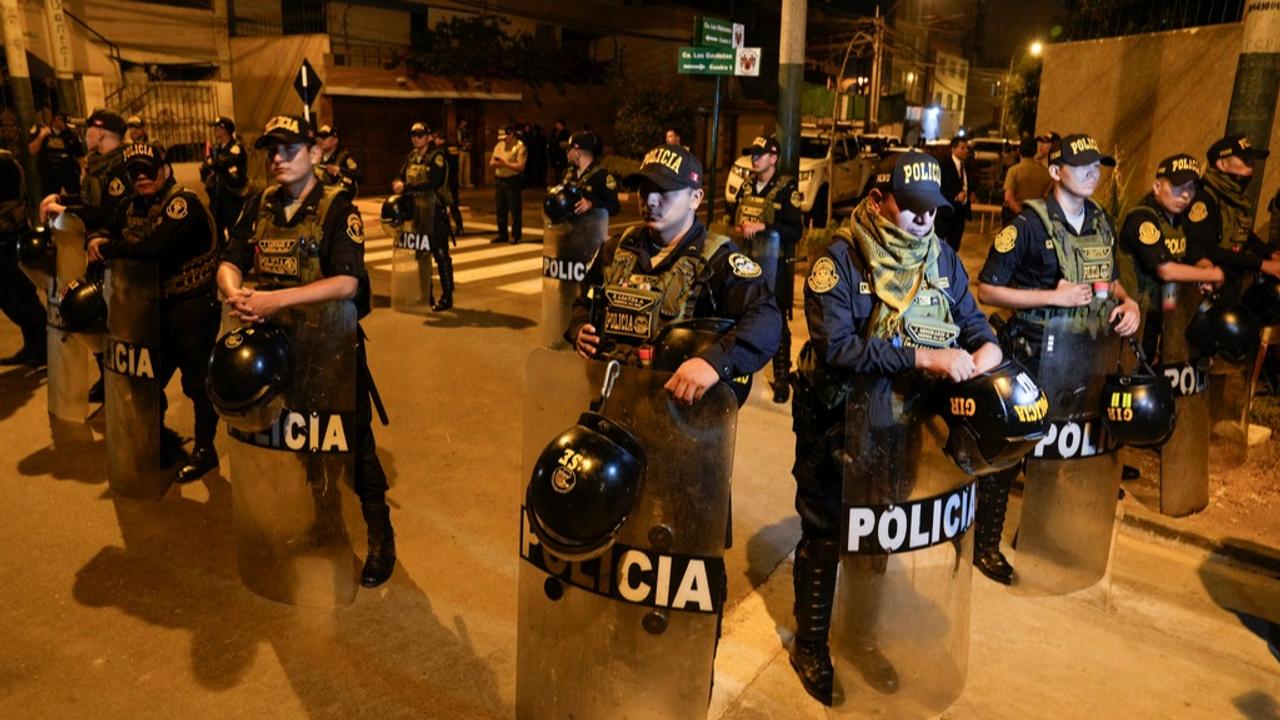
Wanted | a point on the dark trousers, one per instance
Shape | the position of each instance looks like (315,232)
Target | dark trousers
(952,232)
(19,301)
(370,479)
(226,210)
(507,195)
(188,331)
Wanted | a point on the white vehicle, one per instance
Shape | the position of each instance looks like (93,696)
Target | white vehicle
(844,178)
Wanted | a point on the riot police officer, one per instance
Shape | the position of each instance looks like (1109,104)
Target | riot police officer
(58,150)
(768,200)
(696,273)
(441,143)
(425,175)
(1055,261)
(1219,222)
(166,223)
(18,298)
(298,205)
(598,186)
(137,129)
(225,173)
(336,166)
(885,300)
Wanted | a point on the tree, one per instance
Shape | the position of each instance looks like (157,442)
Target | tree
(647,107)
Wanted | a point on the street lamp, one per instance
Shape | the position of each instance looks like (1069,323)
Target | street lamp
(1034,50)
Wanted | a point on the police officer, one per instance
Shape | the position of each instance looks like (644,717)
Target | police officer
(137,129)
(225,174)
(166,223)
(58,150)
(673,256)
(1153,242)
(425,175)
(599,187)
(766,201)
(1220,221)
(298,202)
(18,298)
(336,166)
(452,153)
(1025,272)
(863,293)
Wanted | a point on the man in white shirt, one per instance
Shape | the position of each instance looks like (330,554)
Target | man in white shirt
(508,161)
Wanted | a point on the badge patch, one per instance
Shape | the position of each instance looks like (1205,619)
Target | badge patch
(609,182)
(1198,212)
(796,198)
(743,266)
(1148,233)
(351,164)
(177,208)
(235,149)
(1006,239)
(439,160)
(823,276)
(355,229)
(116,188)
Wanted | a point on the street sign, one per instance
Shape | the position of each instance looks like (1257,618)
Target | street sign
(707,61)
(307,83)
(713,32)
(747,62)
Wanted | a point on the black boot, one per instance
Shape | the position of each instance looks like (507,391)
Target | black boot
(993,500)
(445,263)
(202,459)
(425,294)
(815,588)
(381,559)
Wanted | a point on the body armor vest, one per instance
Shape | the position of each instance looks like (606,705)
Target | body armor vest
(97,176)
(1174,239)
(196,273)
(289,256)
(758,208)
(1081,259)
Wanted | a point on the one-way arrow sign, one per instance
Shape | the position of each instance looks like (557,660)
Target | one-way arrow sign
(308,85)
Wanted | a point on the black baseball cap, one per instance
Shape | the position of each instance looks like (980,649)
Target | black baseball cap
(1078,150)
(584,140)
(147,157)
(325,131)
(1236,146)
(419,128)
(134,121)
(107,120)
(914,178)
(286,130)
(670,167)
(1179,169)
(763,146)
(225,123)
(1049,137)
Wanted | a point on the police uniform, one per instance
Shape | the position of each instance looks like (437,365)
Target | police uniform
(331,226)
(225,173)
(58,161)
(350,174)
(452,154)
(595,182)
(864,328)
(425,174)
(104,187)
(1220,219)
(136,122)
(18,298)
(173,229)
(776,203)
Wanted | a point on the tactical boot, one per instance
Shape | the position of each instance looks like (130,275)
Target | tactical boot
(815,585)
(445,263)
(203,459)
(426,295)
(381,560)
(993,500)
(27,355)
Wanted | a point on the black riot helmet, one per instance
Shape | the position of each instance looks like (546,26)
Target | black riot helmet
(1138,409)
(560,201)
(584,486)
(995,418)
(35,248)
(249,370)
(397,210)
(84,307)
(682,340)
(1263,300)
(1224,328)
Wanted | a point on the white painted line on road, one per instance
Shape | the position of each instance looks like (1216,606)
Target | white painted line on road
(492,271)
(475,252)
(524,287)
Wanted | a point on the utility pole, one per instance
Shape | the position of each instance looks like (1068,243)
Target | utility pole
(1253,99)
(877,66)
(15,51)
(60,49)
(790,79)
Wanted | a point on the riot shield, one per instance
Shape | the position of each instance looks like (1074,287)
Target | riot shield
(900,631)
(411,285)
(290,481)
(632,633)
(71,370)
(765,248)
(568,248)
(134,397)
(1073,474)
(1184,459)
(1230,395)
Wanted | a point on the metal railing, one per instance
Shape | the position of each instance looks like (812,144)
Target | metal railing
(292,17)
(1094,19)
(178,115)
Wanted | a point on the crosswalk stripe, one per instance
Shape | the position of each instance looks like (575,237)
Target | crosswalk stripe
(462,255)
(524,287)
(493,271)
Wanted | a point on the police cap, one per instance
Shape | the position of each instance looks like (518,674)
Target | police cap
(286,130)
(914,178)
(670,167)
(107,120)
(1236,146)
(1179,169)
(1079,150)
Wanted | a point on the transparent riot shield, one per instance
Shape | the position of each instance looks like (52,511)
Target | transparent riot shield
(631,634)
(134,396)
(1073,474)
(900,631)
(411,285)
(1230,396)
(1184,459)
(765,248)
(289,482)
(568,248)
(71,370)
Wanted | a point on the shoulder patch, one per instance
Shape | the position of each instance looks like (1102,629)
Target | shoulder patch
(355,228)
(351,164)
(177,208)
(439,160)
(743,266)
(235,149)
(116,187)
(1148,233)
(1006,239)
(823,276)
(1198,212)
(796,198)
(609,182)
